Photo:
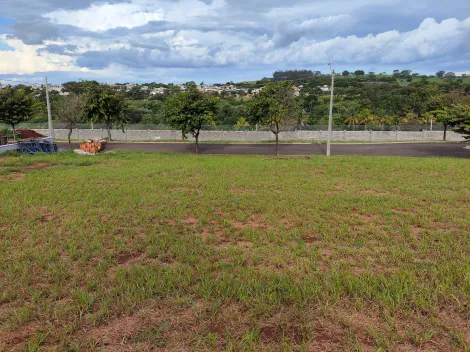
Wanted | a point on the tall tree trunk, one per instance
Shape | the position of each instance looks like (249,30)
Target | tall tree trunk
(108,128)
(277,143)
(182,135)
(197,142)
(445,132)
(69,135)
(14,132)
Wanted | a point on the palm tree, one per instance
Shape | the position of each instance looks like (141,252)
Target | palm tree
(353,121)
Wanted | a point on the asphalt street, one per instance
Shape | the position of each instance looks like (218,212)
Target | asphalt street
(457,150)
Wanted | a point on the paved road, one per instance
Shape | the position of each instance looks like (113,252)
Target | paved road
(387,149)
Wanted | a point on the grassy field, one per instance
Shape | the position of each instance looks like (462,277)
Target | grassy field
(140,252)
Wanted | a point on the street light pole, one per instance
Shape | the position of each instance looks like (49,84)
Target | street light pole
(49,115)
(330,119)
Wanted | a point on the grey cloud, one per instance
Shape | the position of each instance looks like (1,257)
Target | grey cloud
(321,28)
(26,8)
(139,59)
(68,49)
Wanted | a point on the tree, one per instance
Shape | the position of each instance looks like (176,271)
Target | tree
(462,113)
(242,122)
(15,106)
(70,110)
(346,73)
(274,105)
(446,115)
(405,73)
(359,73)
(106,106)
(440,74)
(188,111)
(450,75)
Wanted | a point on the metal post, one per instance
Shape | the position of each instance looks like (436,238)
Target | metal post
(431,124)
(330,119)
(49,115)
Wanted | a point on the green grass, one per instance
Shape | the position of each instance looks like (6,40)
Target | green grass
(134,251)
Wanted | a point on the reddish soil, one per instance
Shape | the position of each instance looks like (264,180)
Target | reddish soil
(126,257)
(12,176)
(190,221)
(37,166)
(276,334)
(25,134)
(46,217)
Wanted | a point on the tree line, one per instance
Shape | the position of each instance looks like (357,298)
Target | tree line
(360,102)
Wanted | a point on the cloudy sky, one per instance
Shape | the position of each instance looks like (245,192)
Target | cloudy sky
(223,40)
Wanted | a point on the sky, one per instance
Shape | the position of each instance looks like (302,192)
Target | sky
(227,40)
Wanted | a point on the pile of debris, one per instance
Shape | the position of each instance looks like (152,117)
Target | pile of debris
(91,146)
(28,134)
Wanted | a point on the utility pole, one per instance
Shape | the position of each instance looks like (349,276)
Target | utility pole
(49,115)
(330,119)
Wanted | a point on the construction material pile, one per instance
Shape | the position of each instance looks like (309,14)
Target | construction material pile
(91,146)
(29,134)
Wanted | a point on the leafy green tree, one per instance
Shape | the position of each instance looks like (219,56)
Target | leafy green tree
(346,73)
(462,114)
(440,74)
(446,115)
(70,110)
(242,122)
(274,106)
(75,87)
(450,75)
(359,73)
(405,73)
(188,111)
(106,106)
(15,106)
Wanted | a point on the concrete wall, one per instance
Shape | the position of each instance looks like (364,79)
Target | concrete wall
(253,136)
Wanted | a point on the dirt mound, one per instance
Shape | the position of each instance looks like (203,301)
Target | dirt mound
(26,134)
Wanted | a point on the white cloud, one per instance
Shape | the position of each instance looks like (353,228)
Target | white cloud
(106,16)
(431,40)
(24,59)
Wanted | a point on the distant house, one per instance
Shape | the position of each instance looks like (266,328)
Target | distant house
(158,91)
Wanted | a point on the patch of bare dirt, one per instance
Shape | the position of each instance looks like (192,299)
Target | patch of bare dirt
(17,337)
(416,231)
(37,166)
(191,221)
(12,176)
(116,330)
(245,244)
(310,239)
(126,258)
(171,222)
(46,217)
(7,158)
(213,230)
(277,334)
(254,224)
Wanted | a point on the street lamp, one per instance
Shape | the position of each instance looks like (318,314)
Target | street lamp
(330,119)
(49,116)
